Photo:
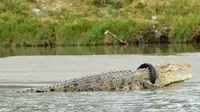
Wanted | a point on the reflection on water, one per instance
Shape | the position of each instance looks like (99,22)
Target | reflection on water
(91,50)
(183,99)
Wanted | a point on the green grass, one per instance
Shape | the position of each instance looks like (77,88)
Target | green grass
(184,28)
(83,22)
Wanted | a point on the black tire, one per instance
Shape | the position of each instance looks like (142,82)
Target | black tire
(152,70)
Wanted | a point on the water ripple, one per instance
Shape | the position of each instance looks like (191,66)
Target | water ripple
(183,99)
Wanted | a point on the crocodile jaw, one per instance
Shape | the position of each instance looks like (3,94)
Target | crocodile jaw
(167,79)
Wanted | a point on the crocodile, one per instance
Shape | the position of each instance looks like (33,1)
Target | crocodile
(145,77)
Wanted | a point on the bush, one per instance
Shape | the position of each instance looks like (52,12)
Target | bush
(103,3)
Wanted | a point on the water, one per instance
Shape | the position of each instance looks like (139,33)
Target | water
(99,50)
(58,67)
(184,99)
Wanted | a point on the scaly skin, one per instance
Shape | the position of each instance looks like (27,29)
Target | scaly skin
(127,80)
(166,73)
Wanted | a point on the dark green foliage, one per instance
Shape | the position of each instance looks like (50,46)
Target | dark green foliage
(73,32)
(103,3)
(86,24)
(124,29)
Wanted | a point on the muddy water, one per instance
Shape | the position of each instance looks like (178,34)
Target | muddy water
(164,49)
(184,99)
(42,70)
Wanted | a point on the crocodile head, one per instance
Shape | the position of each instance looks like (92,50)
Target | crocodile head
(168,73)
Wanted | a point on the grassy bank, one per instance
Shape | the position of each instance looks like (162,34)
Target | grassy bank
(83,22)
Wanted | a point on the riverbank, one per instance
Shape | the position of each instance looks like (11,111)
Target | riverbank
(43,23)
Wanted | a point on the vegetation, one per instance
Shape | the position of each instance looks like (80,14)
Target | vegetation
(83,22)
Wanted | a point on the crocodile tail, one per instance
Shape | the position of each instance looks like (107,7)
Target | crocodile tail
(152,70)
(41,90)
(32,91)
(52,88)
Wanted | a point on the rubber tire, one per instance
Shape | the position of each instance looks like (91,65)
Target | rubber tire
(153,74)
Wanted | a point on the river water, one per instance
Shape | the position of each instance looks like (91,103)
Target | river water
(38,67)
